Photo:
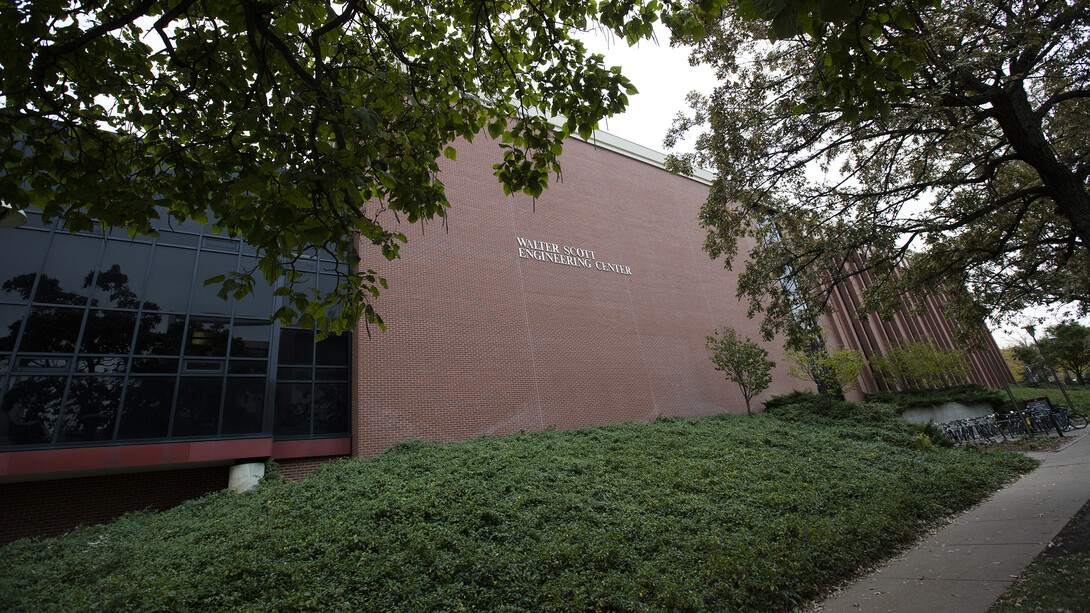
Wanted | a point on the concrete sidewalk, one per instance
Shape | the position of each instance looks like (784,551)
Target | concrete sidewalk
(966,566)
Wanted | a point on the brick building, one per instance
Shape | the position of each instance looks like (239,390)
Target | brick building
(126,384)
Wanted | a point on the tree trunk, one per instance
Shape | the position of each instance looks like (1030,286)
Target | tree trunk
(1023,129)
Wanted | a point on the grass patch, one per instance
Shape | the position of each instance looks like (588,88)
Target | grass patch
(1080,396)
(1059,579)
(1049,585)
(722,513)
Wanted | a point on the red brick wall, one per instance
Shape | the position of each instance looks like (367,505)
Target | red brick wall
(49,508)
(481,341)
(301,468)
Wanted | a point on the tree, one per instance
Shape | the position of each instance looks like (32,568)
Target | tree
(851,136)
(1067,346)
(1033,364)
(745,362)
(299,127)
(920,365)
(834,372)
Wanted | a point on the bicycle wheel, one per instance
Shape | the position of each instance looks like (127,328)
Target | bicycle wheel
(1078,422)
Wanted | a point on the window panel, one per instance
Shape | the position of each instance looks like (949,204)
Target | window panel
(170,279)
(250,338)
(205,299)
(178,238)
(296,346)
(69,270)
(247,367)
(52,329)
(147,408)
(160,334)
(294,373)
(108,332)
(207,336)
(332,351)
(331,408)
(121,275)
(91,409)
(95,364)
(20,272)
(31,408)
(331,374)
(292,409)
(155,365)
(259,304)
(198,410)
(244,405)
(11,320)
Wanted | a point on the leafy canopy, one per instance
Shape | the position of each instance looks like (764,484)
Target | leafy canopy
(298,127)
(1066,346)
(744,362)
(951,135)
(833,372)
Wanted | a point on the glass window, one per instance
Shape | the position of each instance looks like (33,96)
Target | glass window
(20,271)
(292,409)
(330,374)
(178,238)
(108,332)
(121,275)
(170,279)
(250,338)
(221,244)
(91,409)
(52,329)
(244,405)
(296,346)
(154,365)
(207,336)
(202,366)
(11,319)
(205,298)
(69,270)
(331,408)
(147,408)
(31,408)
(98,364)
(332,351)
(247,367)
(198,410)
(160,334)
(258,304)
(294,373)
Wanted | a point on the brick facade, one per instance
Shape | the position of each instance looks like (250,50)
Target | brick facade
(297,469)
(481,341)
(53,507)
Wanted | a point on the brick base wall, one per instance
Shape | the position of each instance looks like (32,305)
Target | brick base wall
(297,469)
(50,508)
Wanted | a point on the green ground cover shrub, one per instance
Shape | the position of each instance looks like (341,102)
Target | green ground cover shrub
(920,399)
(724,513)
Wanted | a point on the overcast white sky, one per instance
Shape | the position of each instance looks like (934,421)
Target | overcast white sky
(663,76)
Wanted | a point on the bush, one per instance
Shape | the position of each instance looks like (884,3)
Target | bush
(919,399)
(723,514)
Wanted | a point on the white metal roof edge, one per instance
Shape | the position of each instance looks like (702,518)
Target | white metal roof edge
(629,149)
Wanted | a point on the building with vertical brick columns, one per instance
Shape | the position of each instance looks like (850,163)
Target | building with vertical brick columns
(126,384)
(919,319)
